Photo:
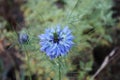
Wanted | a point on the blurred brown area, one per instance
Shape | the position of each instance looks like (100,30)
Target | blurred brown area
(111,71)
(10,57)
(10,11)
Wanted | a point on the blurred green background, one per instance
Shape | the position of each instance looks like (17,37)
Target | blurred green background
(90,21)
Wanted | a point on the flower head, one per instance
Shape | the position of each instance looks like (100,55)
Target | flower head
(23,38)
(56,42)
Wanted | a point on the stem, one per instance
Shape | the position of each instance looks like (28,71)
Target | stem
(28,63)
(28,60)
(59,70)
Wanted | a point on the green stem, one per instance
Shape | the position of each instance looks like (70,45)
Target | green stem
(59,70)
(28,63)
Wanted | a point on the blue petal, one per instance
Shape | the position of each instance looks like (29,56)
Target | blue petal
(43,48)
(65,29)
(54,46)
(70,37)
(42,36)
(58,51)
(69,42)
(58,29)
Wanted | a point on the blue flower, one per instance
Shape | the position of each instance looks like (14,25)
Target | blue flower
(56,42)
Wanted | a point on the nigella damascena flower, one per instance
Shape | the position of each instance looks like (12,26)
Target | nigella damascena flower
(56,42)
(23,38)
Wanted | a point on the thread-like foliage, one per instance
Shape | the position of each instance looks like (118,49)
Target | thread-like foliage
(87,19)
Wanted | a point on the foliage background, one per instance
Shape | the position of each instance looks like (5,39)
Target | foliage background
(90,22)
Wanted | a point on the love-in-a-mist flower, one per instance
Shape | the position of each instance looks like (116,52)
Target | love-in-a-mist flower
(23,38)
(56,42)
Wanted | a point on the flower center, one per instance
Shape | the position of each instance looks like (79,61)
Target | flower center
(56,38)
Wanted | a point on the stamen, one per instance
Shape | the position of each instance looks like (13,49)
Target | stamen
(56,38)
